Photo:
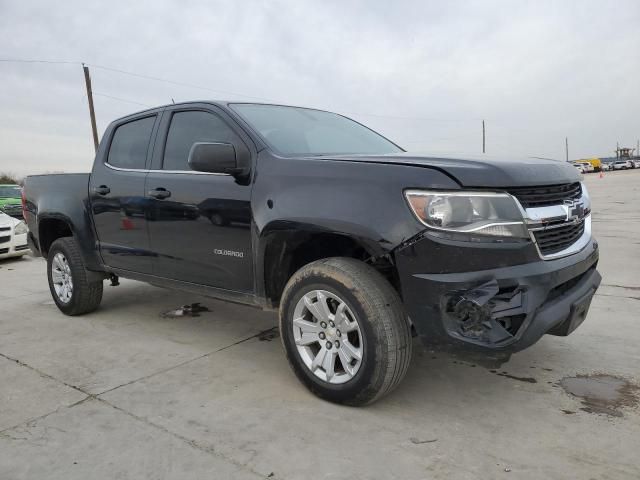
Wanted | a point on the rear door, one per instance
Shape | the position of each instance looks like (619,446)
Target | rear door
(200,225)
(116,190)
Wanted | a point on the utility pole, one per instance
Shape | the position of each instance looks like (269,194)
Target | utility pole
(566,148)
(483,138)
(92,113)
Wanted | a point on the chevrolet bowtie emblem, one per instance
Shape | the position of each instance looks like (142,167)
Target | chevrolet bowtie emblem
(574,209)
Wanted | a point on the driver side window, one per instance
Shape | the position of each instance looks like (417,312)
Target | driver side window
(190,127)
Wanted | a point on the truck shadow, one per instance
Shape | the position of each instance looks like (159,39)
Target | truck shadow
(434,377)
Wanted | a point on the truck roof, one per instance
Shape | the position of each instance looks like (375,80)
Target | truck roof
(220,103)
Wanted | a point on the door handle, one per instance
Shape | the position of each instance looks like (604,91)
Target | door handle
(160,193)
(102,190)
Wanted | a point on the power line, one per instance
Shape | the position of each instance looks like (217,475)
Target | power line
(398,117)
(226,92)
(173,82)
(132,74)
(121,99)
(20,60)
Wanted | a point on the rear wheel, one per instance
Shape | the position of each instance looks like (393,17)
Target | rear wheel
(70,288)
(344,330)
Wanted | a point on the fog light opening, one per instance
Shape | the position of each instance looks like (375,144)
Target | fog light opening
(486,314)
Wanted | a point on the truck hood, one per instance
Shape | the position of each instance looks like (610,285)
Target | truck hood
(480,170)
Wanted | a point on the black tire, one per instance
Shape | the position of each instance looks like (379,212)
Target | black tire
(86,296)
(383,324)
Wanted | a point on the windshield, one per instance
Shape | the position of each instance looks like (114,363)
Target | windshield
(10,191)
(294,131)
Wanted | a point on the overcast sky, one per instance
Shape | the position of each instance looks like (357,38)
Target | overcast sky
(423,73)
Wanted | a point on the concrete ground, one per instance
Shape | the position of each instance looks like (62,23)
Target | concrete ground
(126,393)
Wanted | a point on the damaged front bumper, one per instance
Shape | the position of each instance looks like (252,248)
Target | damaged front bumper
(504,309)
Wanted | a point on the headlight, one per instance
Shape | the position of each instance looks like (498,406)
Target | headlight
(586,199)
(20,228)
(494,214)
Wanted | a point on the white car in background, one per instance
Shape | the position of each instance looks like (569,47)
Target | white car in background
(620,165)
(579,167)
(13,237)
(586,167)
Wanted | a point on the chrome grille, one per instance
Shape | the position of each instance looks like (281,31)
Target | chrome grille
(557,216)
(533,197)
(557,238)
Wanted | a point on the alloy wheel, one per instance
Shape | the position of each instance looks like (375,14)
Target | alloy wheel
(327,336)
(61,277)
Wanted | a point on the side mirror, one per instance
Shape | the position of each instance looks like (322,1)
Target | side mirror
(214,158)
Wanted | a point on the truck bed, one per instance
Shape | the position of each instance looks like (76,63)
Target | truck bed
(60,197)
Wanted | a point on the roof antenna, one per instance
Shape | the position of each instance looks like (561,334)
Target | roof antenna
(173,101)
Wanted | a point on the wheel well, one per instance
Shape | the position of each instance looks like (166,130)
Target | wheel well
(51,229)
(285,256)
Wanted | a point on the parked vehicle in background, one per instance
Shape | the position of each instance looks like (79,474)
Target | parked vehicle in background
(11,200)
(636,163)
(586,166)
(13,237)
(579,167)
(596,163)
(620,165)
(359,244)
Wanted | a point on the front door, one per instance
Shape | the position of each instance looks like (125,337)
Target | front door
(117,196)
(199,223)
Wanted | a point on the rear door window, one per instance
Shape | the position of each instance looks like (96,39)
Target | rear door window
(130,144)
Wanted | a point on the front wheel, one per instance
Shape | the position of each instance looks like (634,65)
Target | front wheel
(70,288)
(344,330)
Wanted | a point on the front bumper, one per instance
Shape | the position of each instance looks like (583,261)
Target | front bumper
(507,308)
(16,246)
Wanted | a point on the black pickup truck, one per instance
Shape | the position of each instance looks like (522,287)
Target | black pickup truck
(360,244)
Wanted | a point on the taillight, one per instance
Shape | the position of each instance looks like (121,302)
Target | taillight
(24,204)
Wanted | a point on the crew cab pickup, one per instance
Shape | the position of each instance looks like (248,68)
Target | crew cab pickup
(359,244)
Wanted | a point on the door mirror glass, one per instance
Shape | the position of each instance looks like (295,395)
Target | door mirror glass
(214,158)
